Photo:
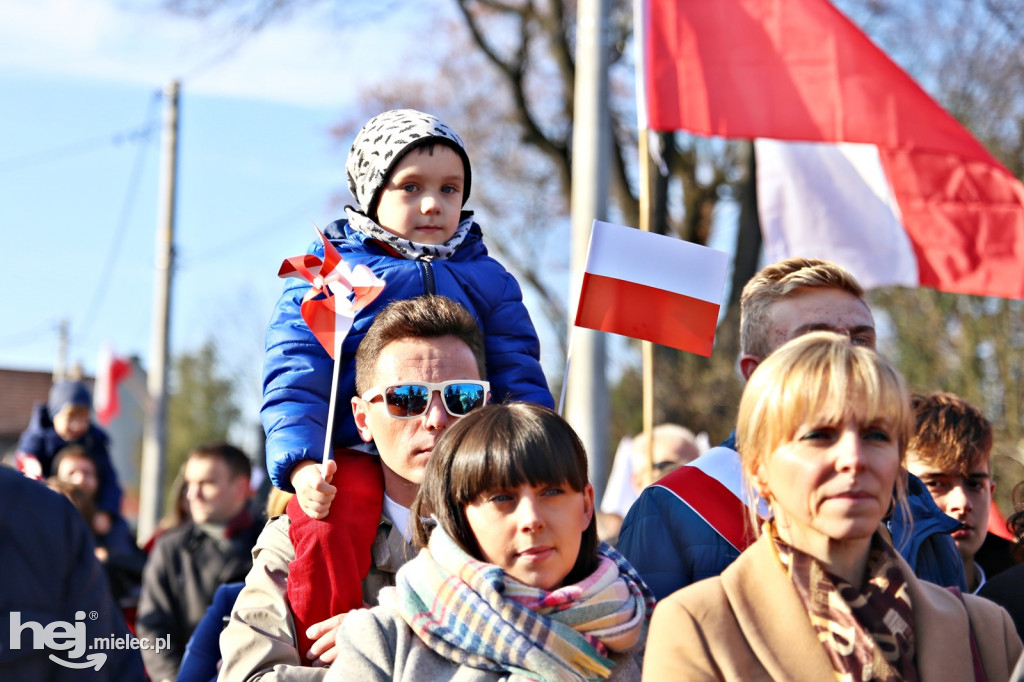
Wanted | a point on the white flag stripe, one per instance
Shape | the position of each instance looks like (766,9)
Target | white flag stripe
(665,263)
(833,201)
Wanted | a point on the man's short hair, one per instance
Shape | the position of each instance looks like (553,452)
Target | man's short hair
(777,281)
(237,462)
(424,317)
(950,434)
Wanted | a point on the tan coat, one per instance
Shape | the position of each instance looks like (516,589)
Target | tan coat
(750,624)
(259,642)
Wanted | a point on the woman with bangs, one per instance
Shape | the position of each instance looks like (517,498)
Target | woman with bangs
(511,581)
(822,432)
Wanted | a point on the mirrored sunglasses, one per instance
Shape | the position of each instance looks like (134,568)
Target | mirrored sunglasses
(411,399)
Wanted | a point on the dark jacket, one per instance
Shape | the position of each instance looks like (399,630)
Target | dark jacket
(671,546)
(297,370)
(202,655)
(42,442)
(184,570)
(1007,590)
(50,575)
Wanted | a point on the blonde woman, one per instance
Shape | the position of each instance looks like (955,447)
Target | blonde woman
(822,432)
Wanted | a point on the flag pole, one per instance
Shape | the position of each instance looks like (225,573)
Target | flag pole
(565,376)
(644,170)
(646,347)
(332,405)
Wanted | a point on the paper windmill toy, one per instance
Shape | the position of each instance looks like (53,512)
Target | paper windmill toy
(336,294)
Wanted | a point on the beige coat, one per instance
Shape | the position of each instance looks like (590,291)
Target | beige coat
(750,624)
(258,642)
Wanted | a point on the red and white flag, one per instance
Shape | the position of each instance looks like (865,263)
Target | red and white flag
(882,179)
(111,370)
(652,287)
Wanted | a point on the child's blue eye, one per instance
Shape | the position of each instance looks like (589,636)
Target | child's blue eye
(449,189)
(410,187)
(879,435)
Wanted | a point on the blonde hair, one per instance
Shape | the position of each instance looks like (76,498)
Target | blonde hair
(777,281)
(820,375)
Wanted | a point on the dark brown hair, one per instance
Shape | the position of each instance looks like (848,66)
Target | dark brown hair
(424,317)
(501,447)
(950,434)
(237,462)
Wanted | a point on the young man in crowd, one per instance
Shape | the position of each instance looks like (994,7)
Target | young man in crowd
(691,524)
(189,562)
(950,453)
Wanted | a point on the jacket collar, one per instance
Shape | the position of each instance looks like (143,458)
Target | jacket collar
(767,609)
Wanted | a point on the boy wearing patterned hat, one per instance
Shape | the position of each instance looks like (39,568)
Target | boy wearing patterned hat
(66,419)
(410,175)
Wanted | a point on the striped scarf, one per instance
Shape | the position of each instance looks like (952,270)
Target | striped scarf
(472,613)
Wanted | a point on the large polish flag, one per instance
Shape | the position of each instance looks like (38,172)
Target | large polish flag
(652,287)
(855,162)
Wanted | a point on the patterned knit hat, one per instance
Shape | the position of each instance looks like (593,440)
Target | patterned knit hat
(384,140)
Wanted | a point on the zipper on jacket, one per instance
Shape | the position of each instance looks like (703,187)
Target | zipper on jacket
(429,285)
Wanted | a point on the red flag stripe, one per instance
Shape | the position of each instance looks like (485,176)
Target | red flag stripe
(643,312)
(799,70)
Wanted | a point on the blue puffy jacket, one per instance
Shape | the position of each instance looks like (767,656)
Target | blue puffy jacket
(297,370)
(672,547)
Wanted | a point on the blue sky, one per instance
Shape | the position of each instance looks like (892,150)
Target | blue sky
(257,166)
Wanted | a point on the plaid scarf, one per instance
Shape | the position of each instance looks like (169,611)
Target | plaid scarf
(867,634)
(472,613)
(405,248)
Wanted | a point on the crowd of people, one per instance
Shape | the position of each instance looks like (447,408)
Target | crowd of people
(453,533)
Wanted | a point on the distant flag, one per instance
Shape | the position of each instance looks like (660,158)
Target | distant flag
(862,167)
(336,294)
(111,370)
(652,287)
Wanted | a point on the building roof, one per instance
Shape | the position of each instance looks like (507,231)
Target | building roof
(19,391)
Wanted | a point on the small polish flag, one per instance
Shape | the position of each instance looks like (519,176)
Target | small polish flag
(111,370)
(652,287)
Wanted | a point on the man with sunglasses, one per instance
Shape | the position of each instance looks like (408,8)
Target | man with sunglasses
(418,369)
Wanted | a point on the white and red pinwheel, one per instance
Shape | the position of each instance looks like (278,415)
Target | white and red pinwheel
(336,294)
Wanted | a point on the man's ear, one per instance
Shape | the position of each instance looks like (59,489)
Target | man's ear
(360,415)
(748,363)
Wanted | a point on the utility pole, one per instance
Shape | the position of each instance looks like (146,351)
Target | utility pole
(587,390)
(60,371)
(154,439)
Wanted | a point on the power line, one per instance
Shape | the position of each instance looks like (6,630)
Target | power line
(131,194)
(26,336)
(24,161)
(252,237)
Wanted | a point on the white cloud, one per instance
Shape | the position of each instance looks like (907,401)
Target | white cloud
(306,61)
